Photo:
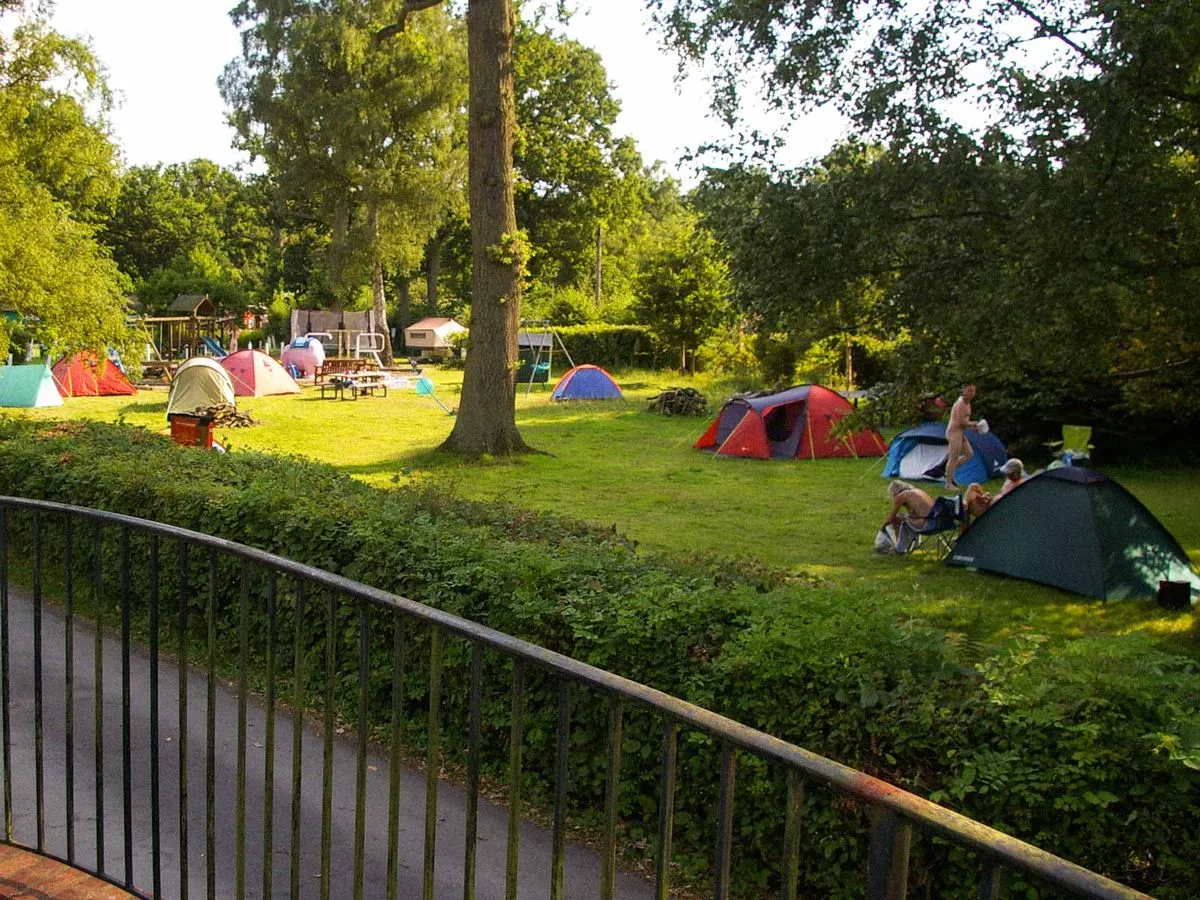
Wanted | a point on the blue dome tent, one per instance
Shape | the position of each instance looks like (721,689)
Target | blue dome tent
(587,383)
(920,454)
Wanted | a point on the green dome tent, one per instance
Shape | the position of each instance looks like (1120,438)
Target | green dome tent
(1079,530)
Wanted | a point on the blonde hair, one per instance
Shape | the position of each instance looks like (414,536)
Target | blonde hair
(898,487)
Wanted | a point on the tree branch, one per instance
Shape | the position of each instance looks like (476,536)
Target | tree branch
(410,6)
(1055,31)
(1154,370)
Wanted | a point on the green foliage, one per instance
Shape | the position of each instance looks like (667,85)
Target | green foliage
(573,174)
(1100,733)
(56,178)
(196,272)
(614,346)
(683,287)
(1055,234)
(192,228)
(379,163)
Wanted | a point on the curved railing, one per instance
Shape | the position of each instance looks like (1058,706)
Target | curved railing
(180,593)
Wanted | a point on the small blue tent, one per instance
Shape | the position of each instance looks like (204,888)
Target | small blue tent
(920,453)
(586,383)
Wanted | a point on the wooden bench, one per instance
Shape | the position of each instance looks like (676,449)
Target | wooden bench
(339,365)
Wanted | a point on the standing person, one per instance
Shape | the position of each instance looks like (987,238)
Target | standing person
(956,434)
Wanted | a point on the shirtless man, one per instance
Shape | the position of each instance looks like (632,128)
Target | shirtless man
(909,503)
(956,433)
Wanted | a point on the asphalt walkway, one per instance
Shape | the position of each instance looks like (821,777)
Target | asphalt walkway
(582,866)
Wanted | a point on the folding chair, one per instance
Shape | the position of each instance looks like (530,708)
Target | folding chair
(1075,444)
(939,532)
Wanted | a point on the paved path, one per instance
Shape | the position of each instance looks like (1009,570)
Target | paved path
(582,864)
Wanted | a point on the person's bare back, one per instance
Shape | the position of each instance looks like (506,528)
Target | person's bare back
(909,503)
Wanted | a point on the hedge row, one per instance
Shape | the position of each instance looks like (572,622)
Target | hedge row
(610,346)
(1089,750)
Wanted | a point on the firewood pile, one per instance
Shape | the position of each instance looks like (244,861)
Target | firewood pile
(680,401)
(225,416)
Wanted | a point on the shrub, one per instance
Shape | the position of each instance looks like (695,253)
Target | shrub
(610,346)
(1090,749)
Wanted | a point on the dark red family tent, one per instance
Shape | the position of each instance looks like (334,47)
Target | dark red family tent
(87,374)
(792,424)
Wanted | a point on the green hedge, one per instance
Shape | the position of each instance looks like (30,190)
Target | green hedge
(1087,749)
(610,346)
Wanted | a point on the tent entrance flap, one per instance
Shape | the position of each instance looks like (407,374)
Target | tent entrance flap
(786,448)
(924,461)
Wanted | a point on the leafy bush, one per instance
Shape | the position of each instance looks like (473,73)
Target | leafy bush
(1090,749)
(611,346)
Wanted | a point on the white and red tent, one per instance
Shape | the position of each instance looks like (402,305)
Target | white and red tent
(255,374)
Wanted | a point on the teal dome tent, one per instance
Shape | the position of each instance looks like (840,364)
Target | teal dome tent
(1078,530)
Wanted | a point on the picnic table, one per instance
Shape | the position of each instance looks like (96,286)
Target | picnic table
(369,384)
(339,365)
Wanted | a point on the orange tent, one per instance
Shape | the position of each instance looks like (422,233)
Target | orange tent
(88,375)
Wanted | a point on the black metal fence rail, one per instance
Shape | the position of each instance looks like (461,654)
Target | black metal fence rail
(230,607)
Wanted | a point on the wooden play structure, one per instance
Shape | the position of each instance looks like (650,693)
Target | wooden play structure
(192,327)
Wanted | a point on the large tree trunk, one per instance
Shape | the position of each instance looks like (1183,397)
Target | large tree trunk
(385,355)
(433,269)
(486,421)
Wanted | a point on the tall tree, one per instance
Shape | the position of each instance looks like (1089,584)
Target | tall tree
(204,223)
(486,421)
(364,128)
(683,287)
(574,175)
(56,175)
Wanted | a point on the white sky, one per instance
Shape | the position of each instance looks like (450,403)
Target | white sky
(163,58)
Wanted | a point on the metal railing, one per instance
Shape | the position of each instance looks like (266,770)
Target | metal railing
(273,627)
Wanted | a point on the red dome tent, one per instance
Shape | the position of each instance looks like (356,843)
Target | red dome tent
(793,424)
(88,375)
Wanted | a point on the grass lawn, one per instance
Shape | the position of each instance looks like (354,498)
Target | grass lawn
(616,464)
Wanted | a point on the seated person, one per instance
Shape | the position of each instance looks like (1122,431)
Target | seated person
(1014,475)
(908,502)
(975,502)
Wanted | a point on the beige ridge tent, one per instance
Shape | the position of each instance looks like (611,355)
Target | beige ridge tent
(198,384)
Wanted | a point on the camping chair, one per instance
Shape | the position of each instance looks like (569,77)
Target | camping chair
(938,534)
(1075,444)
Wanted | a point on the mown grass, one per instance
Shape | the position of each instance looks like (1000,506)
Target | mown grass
(617,464)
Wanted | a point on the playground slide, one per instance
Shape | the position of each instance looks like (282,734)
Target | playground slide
(216,349)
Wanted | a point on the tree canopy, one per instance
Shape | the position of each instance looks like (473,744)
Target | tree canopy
(57,177)
(1023,197)
(361,131)
(192,228)
(574,174)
